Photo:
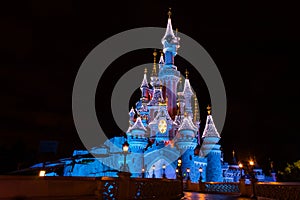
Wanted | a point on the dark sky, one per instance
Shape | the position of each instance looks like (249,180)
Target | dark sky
(254,44)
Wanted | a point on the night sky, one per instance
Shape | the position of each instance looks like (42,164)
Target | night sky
(43,43)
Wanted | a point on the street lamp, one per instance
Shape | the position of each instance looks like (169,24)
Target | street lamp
(179,161)
(188,170)
(200,171)
(241,169)
(125,148)
(153,168)
(252,178)
(143,172)
(164,171)
(251,163)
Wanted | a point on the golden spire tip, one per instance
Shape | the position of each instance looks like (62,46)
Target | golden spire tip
(186,74)
(208,109)
(169,13)
(154,53)
(145,71)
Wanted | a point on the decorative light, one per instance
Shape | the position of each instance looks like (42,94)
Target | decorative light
(153,167)
(125,147)
(176,170)
(188,170)
(42,173)
(143,169)
(251,162)
(179,162)
(241,165)
(200,170)
(164,166)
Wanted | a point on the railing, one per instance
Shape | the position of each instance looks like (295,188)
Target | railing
(278,190)
(125,187)
(154,188)
(219,187)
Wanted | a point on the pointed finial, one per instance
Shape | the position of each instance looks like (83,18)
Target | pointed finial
(176,31)
(233,153)
(186,74)
(169,13)
(145,71)
(195,108)
(208,109)
(154,54)
(154,73)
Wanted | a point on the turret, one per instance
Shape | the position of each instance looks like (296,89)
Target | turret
(196,118)
(186,143)
(131,116)
(170,43)
(168,73)
(154,79)
(137,139)
(188,93)
(212,150)
(145,88)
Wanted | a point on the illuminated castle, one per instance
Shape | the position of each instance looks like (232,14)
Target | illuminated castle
(163,127)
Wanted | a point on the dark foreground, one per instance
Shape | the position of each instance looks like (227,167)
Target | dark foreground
(201,196)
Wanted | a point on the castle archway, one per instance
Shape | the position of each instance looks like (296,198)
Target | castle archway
(165,156)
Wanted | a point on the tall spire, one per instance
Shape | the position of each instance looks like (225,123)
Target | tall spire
(187,86)
(210,129)
(170,42)
(195,109)
(144,82)
(154,73)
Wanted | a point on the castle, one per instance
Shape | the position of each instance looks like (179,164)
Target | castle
(163,133)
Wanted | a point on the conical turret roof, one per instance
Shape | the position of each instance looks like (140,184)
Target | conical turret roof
(187,124)
(187,90)
(210,128)
(138,125)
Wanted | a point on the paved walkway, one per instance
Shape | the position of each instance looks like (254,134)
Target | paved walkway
(201,196)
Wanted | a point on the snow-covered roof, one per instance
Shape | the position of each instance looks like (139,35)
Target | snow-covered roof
(187,124)
(210,128)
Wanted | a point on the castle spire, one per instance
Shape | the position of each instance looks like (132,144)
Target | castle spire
(145,87)
(161,60)
(170,42)
(210,129)
(154,72)
(195,109)
(144,82)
